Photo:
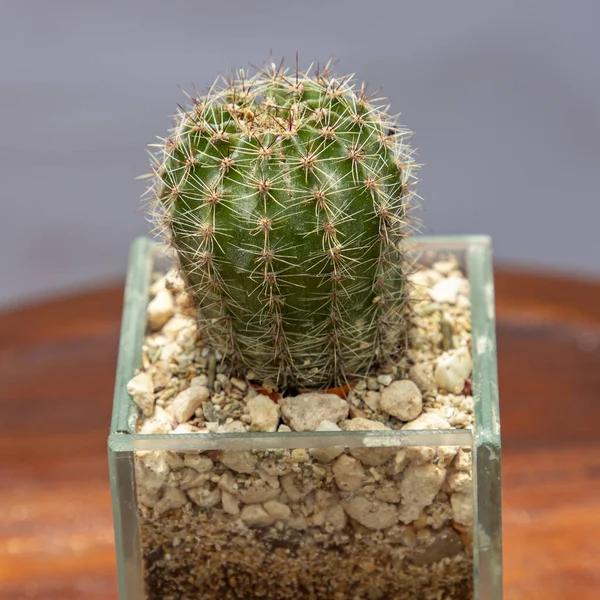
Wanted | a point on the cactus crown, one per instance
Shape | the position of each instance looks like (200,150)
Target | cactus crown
(286,198)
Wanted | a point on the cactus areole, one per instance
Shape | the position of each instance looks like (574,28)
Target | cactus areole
(285,196)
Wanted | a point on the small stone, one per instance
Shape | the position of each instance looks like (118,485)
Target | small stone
(160,309)
(264,414)
(187,428)
(328,453)
(231,504)
(463,460)
(372,400)
(239,461)
(200,380)
(277,510)
(305,411)
(299,455)
(200,464)
(422,375)
(452,368)
(141,389)
(419,486)
(371,457)
(295,490)
(462,508)
(171,499)
(159,422)
(204,497)
(239,384)
(186,402)
(446,290)
(444,267)
(402,399)
(429,420)
(335,516)
(373,384)
(385,380)
(349,473)
(254,515)
(388,493)
(259,491)
(372,514)
(459,481)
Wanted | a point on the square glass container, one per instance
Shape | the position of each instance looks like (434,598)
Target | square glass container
(165,557)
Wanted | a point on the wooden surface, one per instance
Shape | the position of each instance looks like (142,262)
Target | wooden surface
(57,365)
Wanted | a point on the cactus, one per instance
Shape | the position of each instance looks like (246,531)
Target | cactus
(286,198)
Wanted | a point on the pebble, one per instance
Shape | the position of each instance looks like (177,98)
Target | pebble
(172,498)
(462,508)
(373,514)
(239,461)
(349,473)
(305,411)
(254,515)
(231,504)
(446,290)
(159,422)
(264,414)
(160,309)
(452,368)
(200,380)
(459,481)
(419,486)
(402,399)
(204,497)
(422,375)
(385,379)
(277,510)
(141,389)
(463,460)
(239,384)
(328,453)
(371,457)
(444,267)
(200,464)
(428,420)
(260,490)
(372,384)
(372,400)
(184,405)
(335,516)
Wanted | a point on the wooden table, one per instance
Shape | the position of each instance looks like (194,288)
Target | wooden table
(57,365)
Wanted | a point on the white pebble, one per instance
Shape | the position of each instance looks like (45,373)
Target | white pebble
(462,508)
(231,504)
(141,389)
(254,515)
(159,422)
(328,453)
(186,402)
(371,457)
(373,514)
(385,379)
(419,486)
(447,290)
(429,420)
(172,498)
(349,473)
(402,399)
(239,461)
(160,309)
(422,375)
(264,414)
(452,368)
(277,510)
(204,497)
(260,490)
(305,411)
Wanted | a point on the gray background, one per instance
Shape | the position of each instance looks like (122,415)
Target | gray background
(503,97)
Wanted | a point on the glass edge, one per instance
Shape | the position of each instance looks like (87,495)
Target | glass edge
(132,329)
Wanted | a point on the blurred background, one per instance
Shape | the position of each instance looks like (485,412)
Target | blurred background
(502,96)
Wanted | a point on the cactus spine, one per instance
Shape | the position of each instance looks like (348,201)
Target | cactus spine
(286,198)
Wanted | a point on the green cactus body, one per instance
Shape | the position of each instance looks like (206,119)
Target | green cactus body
(285,199)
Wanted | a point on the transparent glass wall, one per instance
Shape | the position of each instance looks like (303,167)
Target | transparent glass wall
(327,514)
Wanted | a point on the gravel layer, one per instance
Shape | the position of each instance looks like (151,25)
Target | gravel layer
(323,523)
